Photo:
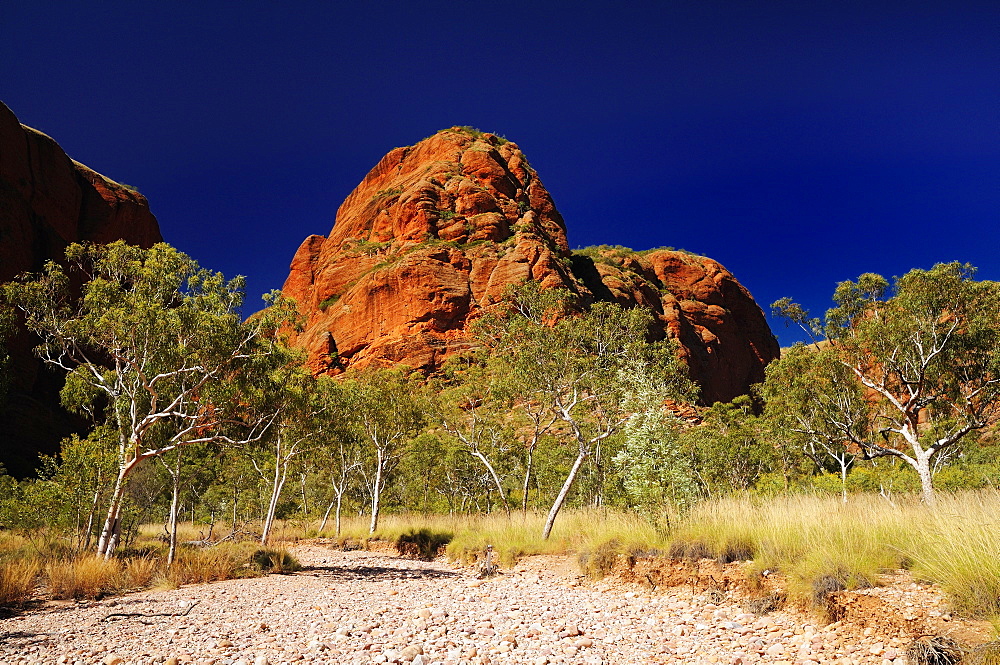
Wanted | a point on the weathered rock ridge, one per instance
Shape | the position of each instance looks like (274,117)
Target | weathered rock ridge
(48,201)
(436,231)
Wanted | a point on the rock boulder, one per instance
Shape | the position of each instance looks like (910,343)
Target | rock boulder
(437,231)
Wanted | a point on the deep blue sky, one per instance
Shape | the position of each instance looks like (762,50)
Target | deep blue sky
(798,143)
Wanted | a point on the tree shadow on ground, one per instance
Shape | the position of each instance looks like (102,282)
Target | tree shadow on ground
(377,573)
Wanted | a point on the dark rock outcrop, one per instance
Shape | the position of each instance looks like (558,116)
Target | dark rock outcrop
(48,201)
(437,230)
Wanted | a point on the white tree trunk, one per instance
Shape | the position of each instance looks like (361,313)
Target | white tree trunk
(551,519)
(326,516)
(923,468)
(527,480)
(174,504)
(376,493)
(340,497)
(277,485)
(87,537)
(112,523)
(843,482)
(496,478)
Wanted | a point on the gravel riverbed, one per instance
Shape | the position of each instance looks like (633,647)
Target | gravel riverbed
(372,607)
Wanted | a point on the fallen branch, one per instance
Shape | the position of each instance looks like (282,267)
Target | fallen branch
(160,614)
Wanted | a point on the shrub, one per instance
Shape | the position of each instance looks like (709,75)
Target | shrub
(137,573)
(598,562)
(766,604)
(934,650)
(423,544)
(220,562)
(271,560)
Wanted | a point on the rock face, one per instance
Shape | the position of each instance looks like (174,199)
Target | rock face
(48,201)
(437,231)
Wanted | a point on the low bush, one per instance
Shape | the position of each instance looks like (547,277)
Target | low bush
(219,562)
(423,544)
(273,560)
(599,561)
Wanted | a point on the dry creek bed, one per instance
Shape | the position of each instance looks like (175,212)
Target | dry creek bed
(375,607)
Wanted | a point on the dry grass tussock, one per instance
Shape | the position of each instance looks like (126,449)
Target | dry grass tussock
(817,542)
(17,582)
(511,536)
(65,575)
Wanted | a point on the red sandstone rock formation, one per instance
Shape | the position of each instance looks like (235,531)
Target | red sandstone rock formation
(437,230)
(48,201)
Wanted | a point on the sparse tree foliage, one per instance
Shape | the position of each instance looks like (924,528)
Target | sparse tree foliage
(385,412)
(590,370)
(925,358)
(153,344)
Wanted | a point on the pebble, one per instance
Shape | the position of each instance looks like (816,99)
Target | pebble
(430,613)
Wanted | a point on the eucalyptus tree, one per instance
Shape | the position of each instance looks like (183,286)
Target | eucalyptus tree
(473,412)
(734,448)
(188,468)
(385,412)
(153,344)
(592,370)
(817,397)
(925,358)
(287,392)
(651,464)
(339,453)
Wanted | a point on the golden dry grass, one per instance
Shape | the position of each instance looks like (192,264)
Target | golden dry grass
(17,581)
(86,577)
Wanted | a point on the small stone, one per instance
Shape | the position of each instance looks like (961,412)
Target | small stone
(409,653)
(261,660)
(172,661)
(113,660)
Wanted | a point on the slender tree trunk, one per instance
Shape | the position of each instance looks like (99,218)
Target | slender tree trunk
(340,497)
(326,516)
(236,501)
(551,519)
(305,507)
(88,536)
(280,474)
(496,478)
(843,481)
(112,523)
(376,493)
(175,493)
(527,480)
(174,505)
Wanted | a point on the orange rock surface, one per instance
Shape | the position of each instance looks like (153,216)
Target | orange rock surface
(48,201)
(436,231)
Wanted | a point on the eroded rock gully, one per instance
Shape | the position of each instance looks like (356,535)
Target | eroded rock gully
(373,607)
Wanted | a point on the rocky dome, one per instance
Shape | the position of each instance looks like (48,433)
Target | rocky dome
(48,201)
(438,230)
